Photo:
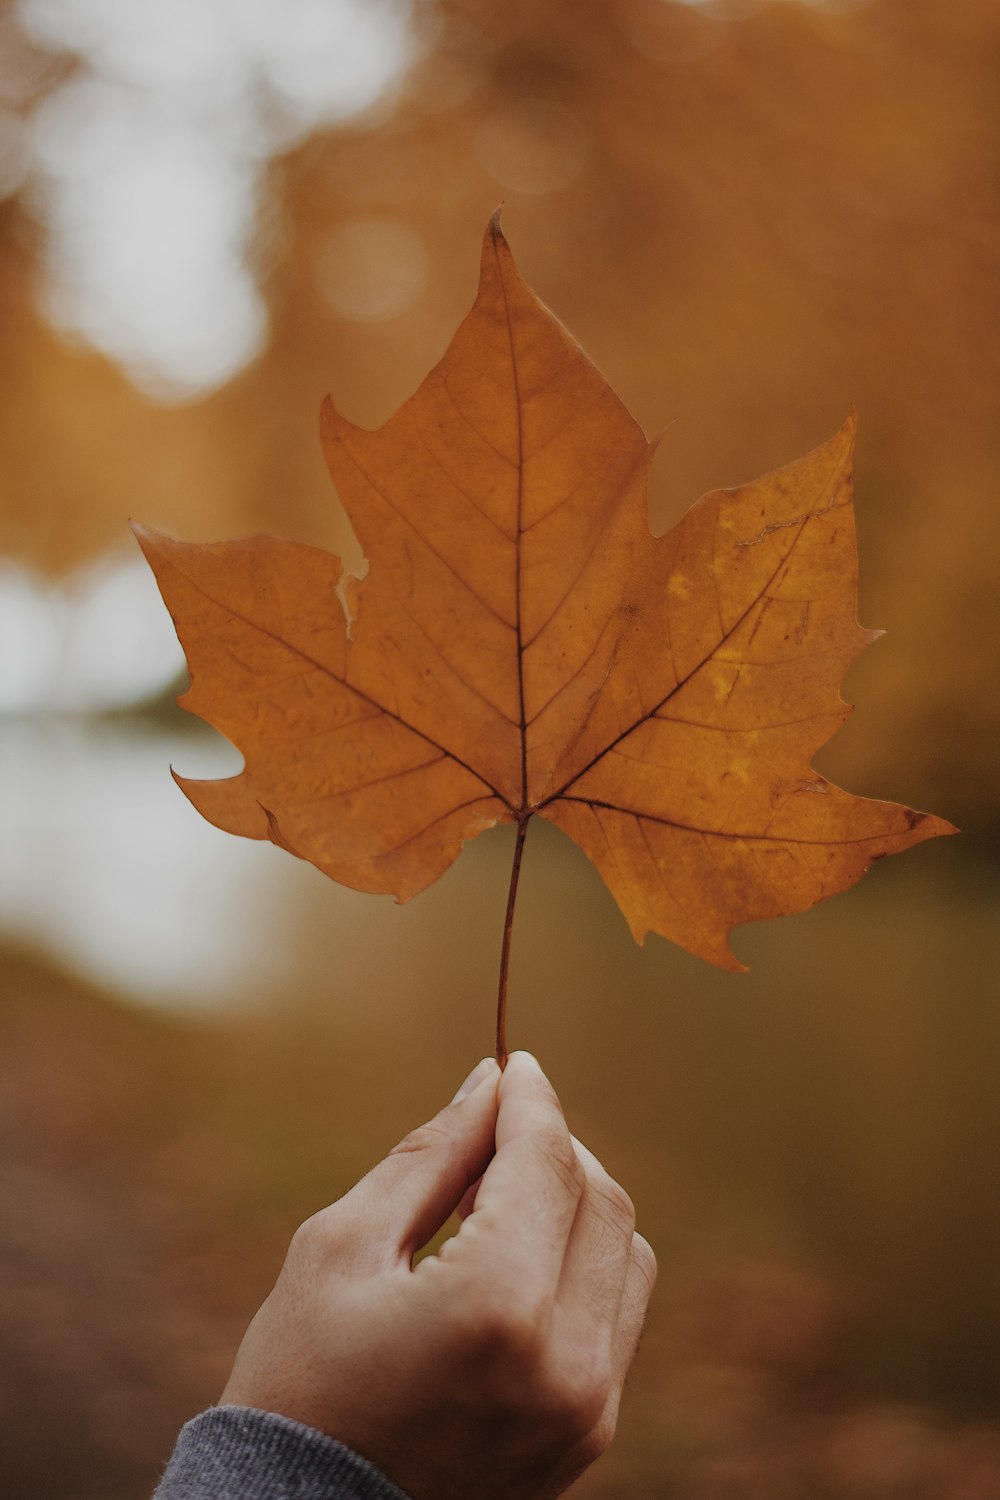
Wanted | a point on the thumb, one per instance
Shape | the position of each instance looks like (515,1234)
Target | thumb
(406,1198)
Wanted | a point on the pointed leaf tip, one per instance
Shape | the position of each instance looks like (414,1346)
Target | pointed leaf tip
(528,647)
(495,242)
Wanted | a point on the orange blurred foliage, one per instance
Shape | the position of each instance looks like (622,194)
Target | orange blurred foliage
(752,217)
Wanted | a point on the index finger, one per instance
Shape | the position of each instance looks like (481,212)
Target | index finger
(530,1191)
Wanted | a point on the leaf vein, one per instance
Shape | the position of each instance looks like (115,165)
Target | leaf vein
(435,460)
(694,670)
(349,687)
(421,538)
(713,833)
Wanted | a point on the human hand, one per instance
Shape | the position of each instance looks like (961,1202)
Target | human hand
(495,1368)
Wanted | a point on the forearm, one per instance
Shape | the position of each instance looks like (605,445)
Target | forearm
(239,1453)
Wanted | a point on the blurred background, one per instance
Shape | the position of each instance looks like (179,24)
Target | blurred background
(751,215)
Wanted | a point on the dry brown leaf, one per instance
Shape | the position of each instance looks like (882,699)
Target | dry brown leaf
(522,644)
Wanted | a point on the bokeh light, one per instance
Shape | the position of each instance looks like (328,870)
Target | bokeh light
(370,269)
(95,641)
(532,147)
(147,162)
(752,214)
(98,867)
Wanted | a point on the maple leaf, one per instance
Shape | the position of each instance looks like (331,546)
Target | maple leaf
(522,644)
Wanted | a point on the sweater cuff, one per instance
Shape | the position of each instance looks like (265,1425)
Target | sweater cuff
(239,1453)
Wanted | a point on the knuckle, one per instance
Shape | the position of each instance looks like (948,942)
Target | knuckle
(425,1137)
(597,1441)
(554,1151)
(644,1261)
(312,1240)
(510,1339)
(575,1401)
(506,1337)
(512,1342)
(615,1202)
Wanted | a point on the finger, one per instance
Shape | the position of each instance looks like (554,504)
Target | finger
(469,1197)
(406,1198)
(640,1277)
(531,1188)
(597,1260)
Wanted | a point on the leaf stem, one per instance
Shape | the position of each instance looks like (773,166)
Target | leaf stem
(508,923)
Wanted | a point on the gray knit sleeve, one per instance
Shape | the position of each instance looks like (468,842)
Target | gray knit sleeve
(238,1453)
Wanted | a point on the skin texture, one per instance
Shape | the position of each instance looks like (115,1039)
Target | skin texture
(494,1368)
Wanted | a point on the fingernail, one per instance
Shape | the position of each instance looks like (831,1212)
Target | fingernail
(479,1074)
